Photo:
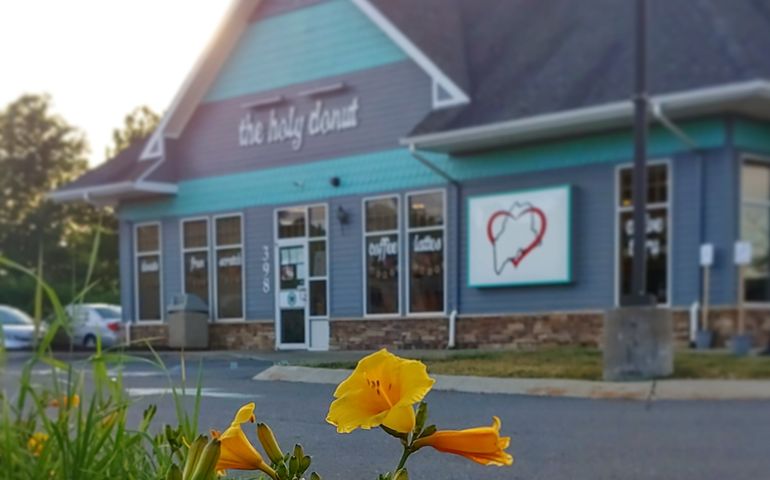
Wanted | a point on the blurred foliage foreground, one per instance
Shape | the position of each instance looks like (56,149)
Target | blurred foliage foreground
(60,427)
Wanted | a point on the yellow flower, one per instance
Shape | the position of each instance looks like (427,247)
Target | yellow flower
(481,444)
(66,402)
(380,391)
(237,452)
(36,443)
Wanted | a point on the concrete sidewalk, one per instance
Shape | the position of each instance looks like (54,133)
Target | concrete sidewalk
(658,390)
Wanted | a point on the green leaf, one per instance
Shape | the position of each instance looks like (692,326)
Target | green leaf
(393,433)
(422,415)
(429,430)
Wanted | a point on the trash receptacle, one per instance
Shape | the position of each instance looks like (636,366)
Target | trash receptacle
(188,322)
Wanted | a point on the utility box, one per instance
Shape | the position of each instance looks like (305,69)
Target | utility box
(638,343)
(188,322)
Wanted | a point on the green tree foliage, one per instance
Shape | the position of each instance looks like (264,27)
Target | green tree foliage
(137,125)
(39,152)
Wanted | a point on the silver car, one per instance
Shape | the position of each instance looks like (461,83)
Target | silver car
(93,320)
(18,328)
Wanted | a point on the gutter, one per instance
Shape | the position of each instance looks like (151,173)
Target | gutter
(452,318)
(90,194)
(590,119)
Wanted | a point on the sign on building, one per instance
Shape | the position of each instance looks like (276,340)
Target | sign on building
(520,238)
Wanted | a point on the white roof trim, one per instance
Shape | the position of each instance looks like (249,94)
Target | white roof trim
(458,96)
(589,119)
(112,190)
(196,83)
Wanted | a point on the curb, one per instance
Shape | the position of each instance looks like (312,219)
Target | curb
(639,391)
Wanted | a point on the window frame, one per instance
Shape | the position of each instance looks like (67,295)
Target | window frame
(408,260)
(135,263)
(327,277)
(364,255)
(215,248)
(207,249)
(749,158)
(668,206)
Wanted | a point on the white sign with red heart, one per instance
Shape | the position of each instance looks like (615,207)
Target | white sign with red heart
(519,238)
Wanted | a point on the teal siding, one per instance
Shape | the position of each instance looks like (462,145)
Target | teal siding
(753,136)
(324,40)
(397,169)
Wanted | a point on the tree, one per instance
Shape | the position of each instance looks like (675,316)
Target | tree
(39,152)
(137,125)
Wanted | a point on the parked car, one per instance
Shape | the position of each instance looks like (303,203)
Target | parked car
(18,328)
(93,320)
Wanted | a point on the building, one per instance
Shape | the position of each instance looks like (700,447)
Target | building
(355,173)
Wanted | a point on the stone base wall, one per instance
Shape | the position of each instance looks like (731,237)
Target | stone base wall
(523,330)
(242,336)
(398,333)
(472,331)
(222,336)
(155,335)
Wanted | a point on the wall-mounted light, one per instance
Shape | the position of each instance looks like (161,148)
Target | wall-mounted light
(335,182)
(342,215)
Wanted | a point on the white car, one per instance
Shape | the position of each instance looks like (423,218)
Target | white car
(92,320)
(18,328)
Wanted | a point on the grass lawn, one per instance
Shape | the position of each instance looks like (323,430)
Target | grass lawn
(584,364)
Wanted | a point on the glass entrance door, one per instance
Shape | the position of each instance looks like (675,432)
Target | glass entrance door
(292,295)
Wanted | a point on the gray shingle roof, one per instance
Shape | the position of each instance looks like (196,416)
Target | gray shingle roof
(519,58)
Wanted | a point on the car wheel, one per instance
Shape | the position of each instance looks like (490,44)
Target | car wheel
(89,342)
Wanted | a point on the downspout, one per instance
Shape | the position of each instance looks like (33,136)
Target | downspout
(452,319)
(660,115)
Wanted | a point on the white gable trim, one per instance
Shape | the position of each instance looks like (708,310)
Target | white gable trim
(456,95)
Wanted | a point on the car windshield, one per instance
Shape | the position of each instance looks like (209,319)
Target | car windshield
(9,316)
(108,313)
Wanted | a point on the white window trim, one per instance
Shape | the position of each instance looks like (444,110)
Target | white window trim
(364,236)
(310,239)
(303,240)
(216,248)
(749,158)
(617,210)
(207,249)
(408,261)
(136,256)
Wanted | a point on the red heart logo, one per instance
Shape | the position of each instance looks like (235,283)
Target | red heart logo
(535,242)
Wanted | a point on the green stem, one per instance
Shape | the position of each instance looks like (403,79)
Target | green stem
(404,456)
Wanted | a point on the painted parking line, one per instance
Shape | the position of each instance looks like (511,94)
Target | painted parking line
(205,392)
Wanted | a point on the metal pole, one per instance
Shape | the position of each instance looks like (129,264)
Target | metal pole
(639,278)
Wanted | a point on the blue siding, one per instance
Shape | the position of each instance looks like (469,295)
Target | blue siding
(258,231)
(125,257)
(319,41)
(593,245)
(397,169)
(686,221)
(172,261)
(752,136)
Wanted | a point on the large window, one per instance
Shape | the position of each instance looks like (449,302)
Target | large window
(755,228)
(381,252)
(195,258)
(657,228)
(426,247)
(228,250)
(148,272)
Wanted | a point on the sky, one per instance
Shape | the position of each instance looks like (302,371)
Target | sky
(98,59)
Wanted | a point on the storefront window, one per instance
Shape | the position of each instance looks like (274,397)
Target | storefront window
(381,247)
(148,272)
(291,223)
(195,258)
(229,266)
(426,252)
(657,226)
(755,228)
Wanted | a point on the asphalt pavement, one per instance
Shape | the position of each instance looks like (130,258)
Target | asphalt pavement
(551,438)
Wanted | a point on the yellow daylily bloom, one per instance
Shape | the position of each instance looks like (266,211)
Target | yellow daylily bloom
(381,391)
(237,452)
(36,443)
(483,445)
(66,402)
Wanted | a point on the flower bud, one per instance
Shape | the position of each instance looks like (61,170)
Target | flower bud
(193,454)
(207,463)
(269,443)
